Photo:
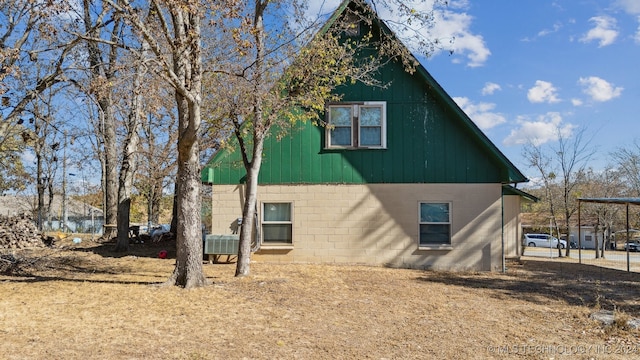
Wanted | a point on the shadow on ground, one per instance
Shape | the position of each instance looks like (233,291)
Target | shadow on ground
(540,281)
(147,249)
(66,261)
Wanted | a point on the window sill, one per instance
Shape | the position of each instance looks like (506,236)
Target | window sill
(276,247)
(435,247)
(352,148)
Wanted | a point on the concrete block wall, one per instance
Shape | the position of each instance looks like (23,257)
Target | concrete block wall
(375,224)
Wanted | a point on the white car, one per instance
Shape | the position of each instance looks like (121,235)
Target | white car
(543,240)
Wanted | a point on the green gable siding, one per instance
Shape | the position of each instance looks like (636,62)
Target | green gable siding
(426,143)
(429,140)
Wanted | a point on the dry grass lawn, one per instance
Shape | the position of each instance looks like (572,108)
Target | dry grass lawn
(85,302)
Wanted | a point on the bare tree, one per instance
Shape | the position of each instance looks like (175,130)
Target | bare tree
(157,159)
(573,155)
(102,53)
(128,163)
(42,139)
(542,162)
(570,155)
(173,33)
(34,51)
(602,184)
(627,160)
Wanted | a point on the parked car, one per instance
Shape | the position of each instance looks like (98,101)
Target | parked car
(543,240)
(634,245)
(159,230)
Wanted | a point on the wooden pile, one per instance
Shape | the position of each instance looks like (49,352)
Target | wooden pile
(18,232)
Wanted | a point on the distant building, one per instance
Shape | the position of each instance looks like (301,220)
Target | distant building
(81,217)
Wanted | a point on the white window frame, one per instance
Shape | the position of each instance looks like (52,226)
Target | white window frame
(435,245)
(356,126)
(269,244)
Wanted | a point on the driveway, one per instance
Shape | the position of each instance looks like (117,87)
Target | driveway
(612,258)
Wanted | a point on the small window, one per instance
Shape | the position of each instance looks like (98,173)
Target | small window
(277,226)
(356,125)
(435,224)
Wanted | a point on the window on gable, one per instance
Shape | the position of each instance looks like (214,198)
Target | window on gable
(277,224)
(435,224)
(357,125)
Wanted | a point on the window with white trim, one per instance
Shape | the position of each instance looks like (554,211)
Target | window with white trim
(277,224)
(357,125)
(435,223)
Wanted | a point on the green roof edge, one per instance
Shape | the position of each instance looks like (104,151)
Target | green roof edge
(510,190)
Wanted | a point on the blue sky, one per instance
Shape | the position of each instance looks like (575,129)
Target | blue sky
(522,69)
(525,68)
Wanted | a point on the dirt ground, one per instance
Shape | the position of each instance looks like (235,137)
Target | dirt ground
(81,301)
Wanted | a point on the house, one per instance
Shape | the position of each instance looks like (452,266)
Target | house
(589,238)
(401,178)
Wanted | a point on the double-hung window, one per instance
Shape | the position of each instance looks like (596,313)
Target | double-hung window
(277,224)
(435,224)
(357,125)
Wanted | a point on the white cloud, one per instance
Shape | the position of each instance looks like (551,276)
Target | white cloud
(604,31)
(28,157)
(490,88)
(456,26)
(576,102)
(599,89)
(481,113)
(630,6)
(459,4)
(543,129)
(545,32)
(69,11)
(543,91)
(451,28)
(636,37)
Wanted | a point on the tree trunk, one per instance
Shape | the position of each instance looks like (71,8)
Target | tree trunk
(173,228)
(111,170)
(102,73)
(126,184)
(156,201)
(604,241)
(128,166)
(249,211)
(40,185)
(188,68)
(188,271)
(252,166)
(567,250)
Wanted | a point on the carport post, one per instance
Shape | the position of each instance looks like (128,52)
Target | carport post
(579,234)
(627,243)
